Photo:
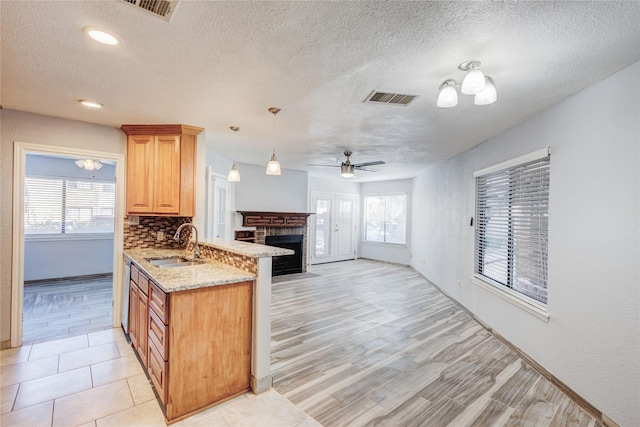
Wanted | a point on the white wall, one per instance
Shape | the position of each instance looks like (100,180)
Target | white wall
(258,191)
(591,341)
(73,256)
(400,254)
(34,128)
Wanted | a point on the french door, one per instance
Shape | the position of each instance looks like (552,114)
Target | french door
(333,227)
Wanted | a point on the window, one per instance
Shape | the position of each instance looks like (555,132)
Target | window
(512,218)
(385,218)
(65,206)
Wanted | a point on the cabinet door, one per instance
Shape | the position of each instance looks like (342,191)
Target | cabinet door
(140,149)
(166,176)
(133,315)
(143,316)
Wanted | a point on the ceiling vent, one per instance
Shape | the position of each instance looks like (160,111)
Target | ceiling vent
(378,97)
(160,8)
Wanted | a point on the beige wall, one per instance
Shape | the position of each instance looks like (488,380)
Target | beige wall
(34,128)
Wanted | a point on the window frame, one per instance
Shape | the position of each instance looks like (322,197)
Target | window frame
(364,219)
(529,304)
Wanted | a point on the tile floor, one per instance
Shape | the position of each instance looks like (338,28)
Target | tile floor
(96,380)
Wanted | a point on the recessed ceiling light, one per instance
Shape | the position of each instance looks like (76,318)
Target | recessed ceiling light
(91,104)
(101,36)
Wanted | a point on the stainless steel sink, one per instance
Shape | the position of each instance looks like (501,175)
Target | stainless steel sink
(172,262)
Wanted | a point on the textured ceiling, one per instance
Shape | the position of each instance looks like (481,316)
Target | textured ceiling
(222,63)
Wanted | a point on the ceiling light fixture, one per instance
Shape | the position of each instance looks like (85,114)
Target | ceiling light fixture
(234,174)
(89,164)
(102,36)
(90,104)
(474,83)
(347,170)
(273,167)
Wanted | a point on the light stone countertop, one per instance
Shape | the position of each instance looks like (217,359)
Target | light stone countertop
(208,273)
(248,249)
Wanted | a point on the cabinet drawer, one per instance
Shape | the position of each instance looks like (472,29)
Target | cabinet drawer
(134,272)
(143,283)
(159,302)
(158,334)
(158,370)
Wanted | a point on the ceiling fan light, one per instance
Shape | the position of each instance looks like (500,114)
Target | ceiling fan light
(88,165)
(234,174)
(473,82)
(273,167)
(448,96)
(346,171)
(488,95)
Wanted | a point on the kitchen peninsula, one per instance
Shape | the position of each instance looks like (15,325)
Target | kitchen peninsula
(202,329)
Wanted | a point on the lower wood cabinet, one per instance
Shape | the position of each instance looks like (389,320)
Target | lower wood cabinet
(198,345)
(139,313)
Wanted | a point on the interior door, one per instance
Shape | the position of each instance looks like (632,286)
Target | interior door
(218,218)
(333,227)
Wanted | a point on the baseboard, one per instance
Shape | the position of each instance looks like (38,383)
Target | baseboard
(581,401)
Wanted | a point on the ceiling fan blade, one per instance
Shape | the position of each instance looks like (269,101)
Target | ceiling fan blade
(379,162)
(328,166)
(367,170)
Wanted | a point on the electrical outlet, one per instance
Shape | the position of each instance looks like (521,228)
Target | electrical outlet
(133,219)
(160,236)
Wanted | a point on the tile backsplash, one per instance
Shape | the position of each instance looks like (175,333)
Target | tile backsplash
(145,234)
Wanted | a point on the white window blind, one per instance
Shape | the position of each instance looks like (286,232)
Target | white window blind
(386,218)
(512,218)
(65,206)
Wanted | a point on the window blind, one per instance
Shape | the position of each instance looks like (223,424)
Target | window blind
(65,206)
(512,217)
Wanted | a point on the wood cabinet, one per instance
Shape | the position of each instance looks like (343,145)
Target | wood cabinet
(161,164)
(199,345)
(138,313)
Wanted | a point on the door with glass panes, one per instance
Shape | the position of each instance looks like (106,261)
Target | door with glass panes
(333,227)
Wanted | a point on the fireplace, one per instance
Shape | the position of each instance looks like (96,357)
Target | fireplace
(286,264)
(289,228)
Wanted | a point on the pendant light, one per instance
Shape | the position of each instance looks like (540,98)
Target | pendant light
(234,174)
(273,167)
(488,94)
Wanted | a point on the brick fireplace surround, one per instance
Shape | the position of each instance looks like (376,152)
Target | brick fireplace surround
(278,224)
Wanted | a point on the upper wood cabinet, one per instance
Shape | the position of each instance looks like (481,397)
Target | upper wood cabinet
(161,164)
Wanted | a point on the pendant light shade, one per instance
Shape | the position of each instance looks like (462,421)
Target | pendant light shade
(474,80)
(273,167)
(234,174)
(488,94)
(448,96)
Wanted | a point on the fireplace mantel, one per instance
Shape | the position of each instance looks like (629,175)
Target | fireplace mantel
(274,219)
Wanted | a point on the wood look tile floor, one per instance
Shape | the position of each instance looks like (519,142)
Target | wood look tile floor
(362,343)
(64,308)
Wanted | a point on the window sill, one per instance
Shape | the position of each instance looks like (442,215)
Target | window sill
(514,298)
(393,245)
(69,236)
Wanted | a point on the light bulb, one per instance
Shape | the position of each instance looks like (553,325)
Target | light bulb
(88,164)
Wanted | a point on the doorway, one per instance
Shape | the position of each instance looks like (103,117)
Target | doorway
(333,227)
(219,206)
(21,151)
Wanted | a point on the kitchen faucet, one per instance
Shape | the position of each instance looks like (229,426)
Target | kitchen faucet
(196,248)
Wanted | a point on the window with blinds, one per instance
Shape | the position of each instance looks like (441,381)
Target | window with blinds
(68,206)
(512,221)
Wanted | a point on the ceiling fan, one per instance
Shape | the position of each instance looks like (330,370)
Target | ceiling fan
(347,168)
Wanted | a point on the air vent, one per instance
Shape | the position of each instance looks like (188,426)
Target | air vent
(390,98)
(160,8)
